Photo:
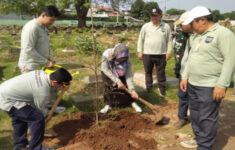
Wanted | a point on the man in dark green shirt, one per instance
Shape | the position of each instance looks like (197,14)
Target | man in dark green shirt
(181,35)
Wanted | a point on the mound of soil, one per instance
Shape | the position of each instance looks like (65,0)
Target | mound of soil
(124,130)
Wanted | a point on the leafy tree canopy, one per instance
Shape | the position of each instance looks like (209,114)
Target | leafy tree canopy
(174,11)
(137,8)
(148,8)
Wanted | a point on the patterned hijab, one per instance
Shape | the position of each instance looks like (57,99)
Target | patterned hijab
(112,55)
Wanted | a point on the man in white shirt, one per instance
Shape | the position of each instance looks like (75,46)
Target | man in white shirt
(154,48)
(35,46)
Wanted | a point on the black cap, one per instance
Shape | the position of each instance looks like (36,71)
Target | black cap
(156,11)
(61,75)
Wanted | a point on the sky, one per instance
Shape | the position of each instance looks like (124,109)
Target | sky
(222,5)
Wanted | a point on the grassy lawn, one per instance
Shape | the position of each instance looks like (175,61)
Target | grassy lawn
(74,62)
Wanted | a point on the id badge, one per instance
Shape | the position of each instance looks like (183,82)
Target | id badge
(209,39)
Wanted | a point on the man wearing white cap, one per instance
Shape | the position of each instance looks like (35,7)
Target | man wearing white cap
(181,45)
(154,48)
(207,74)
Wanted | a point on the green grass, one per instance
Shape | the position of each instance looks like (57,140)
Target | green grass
(8,71)
(170,66)
(6,138)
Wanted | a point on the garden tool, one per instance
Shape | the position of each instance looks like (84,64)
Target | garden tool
(58,100)
(50,132)
(156,112)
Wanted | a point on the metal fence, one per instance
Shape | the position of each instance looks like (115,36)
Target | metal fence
(58,22)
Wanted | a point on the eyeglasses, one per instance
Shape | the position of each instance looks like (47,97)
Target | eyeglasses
(66,84)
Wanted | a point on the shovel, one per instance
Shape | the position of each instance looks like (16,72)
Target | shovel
(51,133)
(156,115)
(54,106)
(58,101)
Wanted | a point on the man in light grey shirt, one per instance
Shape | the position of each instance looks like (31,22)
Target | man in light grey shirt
(35,47)
(32,87)
(154,48)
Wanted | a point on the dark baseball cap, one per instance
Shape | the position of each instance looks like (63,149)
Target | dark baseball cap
(61,75)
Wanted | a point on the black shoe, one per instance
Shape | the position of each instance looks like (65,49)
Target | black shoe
(161,92)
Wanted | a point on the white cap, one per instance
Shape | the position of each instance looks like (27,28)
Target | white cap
(196,12)
(182,18)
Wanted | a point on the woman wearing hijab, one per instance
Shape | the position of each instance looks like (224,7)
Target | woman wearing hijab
(116,75)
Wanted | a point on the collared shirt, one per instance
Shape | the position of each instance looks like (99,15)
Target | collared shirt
(211,60)
(35,47)
(155,40)
(188,46)
(30,87)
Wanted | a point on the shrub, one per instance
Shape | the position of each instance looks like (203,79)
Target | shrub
(84,45)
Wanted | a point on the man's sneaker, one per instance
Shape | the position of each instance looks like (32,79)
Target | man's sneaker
(105,109)
(59,109)
(180,123)
(189,144)
(161,93)
(136,107)
(46,148)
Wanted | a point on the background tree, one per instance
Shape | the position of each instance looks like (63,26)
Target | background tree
(137,8)
(217,16)
(34,7)
(23,7)
(148,8)
(64,3)
(82,7)
(174,11)
(230,15)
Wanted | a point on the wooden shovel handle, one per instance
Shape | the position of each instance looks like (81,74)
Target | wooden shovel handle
(55,105)
(141,100)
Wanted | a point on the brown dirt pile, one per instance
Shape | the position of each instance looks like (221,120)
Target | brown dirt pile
(125,131)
